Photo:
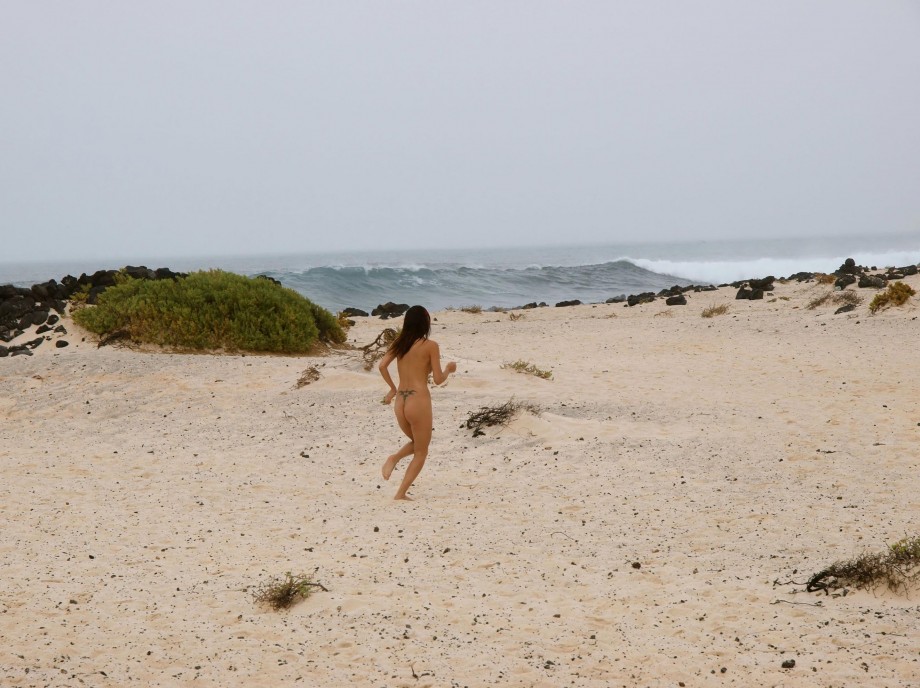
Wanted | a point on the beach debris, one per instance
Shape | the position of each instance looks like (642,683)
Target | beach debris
(282,592)
(898,569)
(311,374)
(488,416)
(374,351)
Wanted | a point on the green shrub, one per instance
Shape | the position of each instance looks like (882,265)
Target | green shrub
(212,310)
(896,295)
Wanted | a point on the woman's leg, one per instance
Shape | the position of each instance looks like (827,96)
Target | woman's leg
(408,448)
(419,419)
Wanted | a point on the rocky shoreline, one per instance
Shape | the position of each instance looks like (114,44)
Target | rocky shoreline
(42,305)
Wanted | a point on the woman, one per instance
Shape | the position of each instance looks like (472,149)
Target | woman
(416,356)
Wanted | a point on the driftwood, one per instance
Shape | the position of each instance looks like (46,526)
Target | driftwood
(897,569)
(374,351)
(487,416)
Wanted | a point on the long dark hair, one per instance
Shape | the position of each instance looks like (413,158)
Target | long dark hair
(416,325)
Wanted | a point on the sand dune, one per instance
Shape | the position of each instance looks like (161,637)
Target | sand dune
(641,530)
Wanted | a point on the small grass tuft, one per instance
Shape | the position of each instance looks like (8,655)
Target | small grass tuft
(471,309)
(822,278)
(487,416)
(311,374)
(516,316)
(847,296)
(713,311)
(819,301)
(528,368)
(283,591)
(897,569)
(896,295)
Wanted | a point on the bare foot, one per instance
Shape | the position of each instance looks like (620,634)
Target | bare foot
(388,466)
(404,498)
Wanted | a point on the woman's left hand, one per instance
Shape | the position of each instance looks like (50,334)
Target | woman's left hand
(389,397)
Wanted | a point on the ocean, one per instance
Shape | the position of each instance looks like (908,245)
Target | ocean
(509,277)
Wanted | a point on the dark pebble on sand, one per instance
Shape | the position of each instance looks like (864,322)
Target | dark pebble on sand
(376,529)
(788,664)
(61,343)
(636,565)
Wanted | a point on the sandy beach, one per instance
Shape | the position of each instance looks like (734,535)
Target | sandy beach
(653,525)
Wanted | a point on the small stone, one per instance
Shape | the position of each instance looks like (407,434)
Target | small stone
(788,664)
(636,565)
(376,529)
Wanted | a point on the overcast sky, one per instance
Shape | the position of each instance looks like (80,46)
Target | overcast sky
(197,128)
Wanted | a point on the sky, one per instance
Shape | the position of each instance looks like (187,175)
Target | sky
(221,127)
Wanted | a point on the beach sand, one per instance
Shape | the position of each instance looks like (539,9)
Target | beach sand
(653,525)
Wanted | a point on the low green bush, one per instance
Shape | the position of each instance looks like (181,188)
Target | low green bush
(896,295)
(212,310)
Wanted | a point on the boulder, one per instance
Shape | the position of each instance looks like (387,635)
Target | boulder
(42,329)
(140,272)
(390,310)
(52,320)
(908,270)
(94,294)
(636,299)
(4,352)
(743,293)
(872,282)
(61,343)
(765,284)
(756,294)
(563,304)
(354,312)
(616,299)
(20,352)
(35,343)
(844,281)
(849,267)
(270,279)
(802,276)
(676,300)
(60,329)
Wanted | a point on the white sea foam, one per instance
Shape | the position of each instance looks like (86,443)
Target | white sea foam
(716,272)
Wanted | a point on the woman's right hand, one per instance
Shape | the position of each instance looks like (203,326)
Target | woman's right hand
(389,397)
(450,368)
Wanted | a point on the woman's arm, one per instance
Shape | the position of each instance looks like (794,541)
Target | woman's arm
(439,376)
(383,368)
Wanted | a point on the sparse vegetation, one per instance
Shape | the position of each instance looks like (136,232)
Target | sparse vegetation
(471,309)
(374,351)
(212,310)
(822,278)
(818,301)
(487,416)
(896,295)
(311,374)
(528,368)
(713,311)
(516,316)
(897,569)
(846,296)
(282,592)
